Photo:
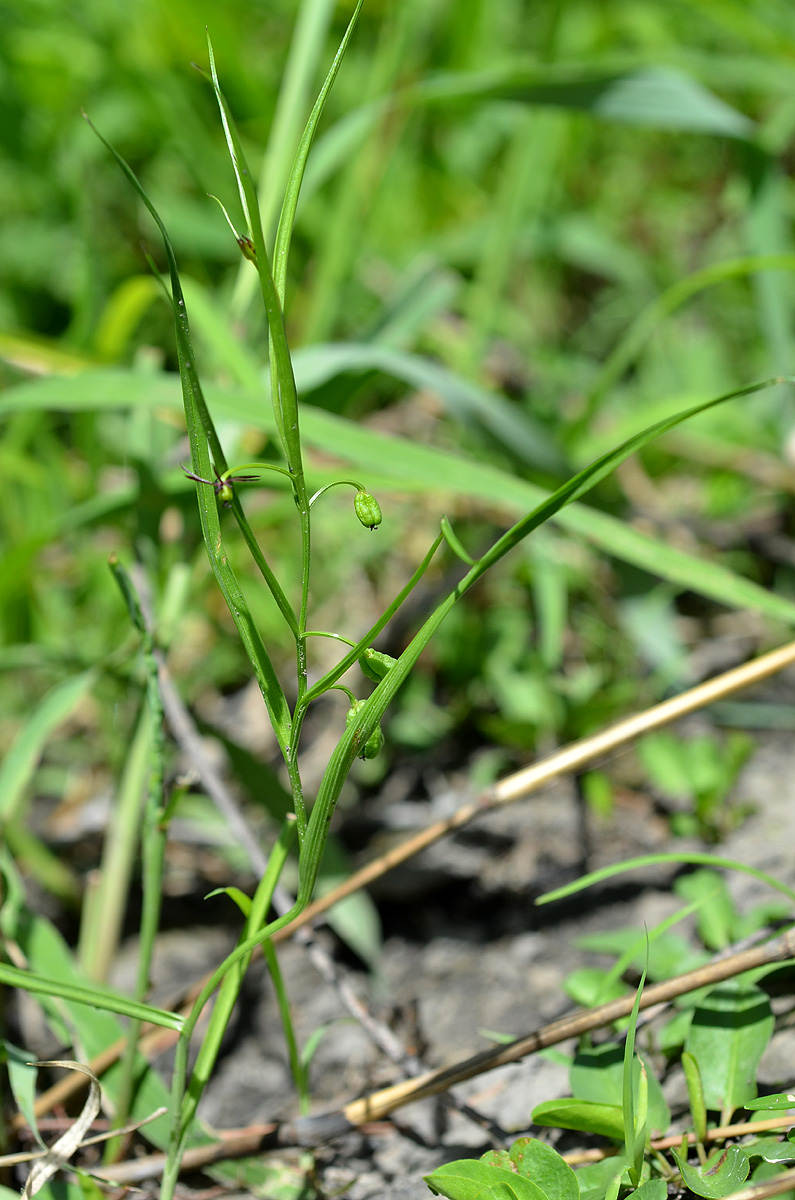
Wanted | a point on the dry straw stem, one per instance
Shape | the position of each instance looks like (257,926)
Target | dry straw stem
(513,787)
(572,758)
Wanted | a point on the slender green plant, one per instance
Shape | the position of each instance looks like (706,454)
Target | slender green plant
(216,488)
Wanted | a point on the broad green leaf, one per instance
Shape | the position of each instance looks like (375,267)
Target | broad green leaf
(95,1028)
(478,1180)
(541,1164)
(722,1173)
(399,463)
(728,1034)
(585,1115)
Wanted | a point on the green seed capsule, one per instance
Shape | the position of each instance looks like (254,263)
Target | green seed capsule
(367,509)
(375,665)
(375,742)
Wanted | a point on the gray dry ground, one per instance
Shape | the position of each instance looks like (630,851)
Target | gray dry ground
(467,951)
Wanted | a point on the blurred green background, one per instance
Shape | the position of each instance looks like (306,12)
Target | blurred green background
(528,230)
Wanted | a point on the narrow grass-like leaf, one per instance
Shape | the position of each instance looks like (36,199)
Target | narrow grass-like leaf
(287,219)
(41,985)
(204,439)
(373,709)
(405,465)
(643,326)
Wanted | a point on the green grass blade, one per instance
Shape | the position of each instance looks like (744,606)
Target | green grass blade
(641,329)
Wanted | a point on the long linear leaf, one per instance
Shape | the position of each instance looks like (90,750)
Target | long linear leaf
(89,994)
(373,709)
(391,461)
(202,436)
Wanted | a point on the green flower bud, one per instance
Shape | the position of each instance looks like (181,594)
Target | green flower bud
(375,742)
(375,665)
(367,509)
(247,248)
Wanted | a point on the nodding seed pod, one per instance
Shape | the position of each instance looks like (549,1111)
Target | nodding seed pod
(367,509)
(375,742)
(375,665)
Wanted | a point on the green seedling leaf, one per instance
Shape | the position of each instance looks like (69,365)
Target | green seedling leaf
(695,1091)
(536,1161)
(87,994)
(728,1034)
(478,1180)
(607,1120)
(720,1175)
(717,915)
(20,762)
(776,1102)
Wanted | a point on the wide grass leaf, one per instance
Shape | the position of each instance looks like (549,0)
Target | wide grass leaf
(728,1034)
